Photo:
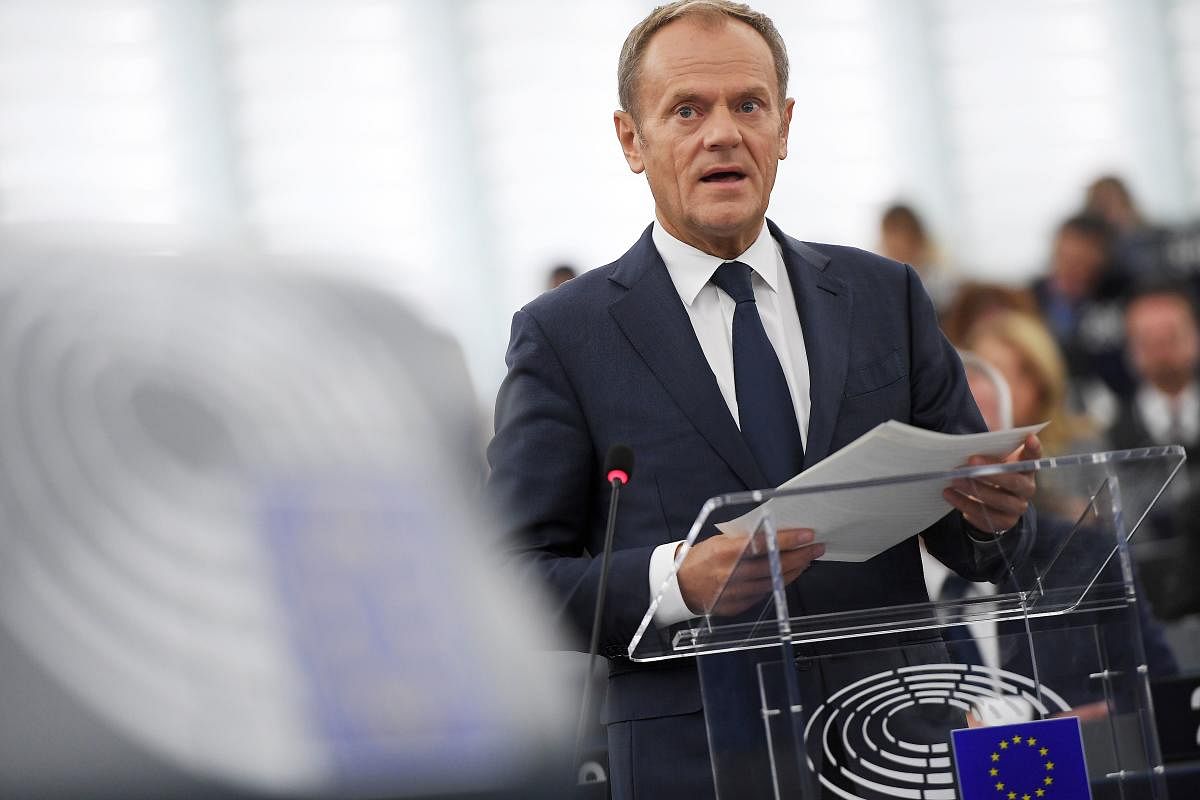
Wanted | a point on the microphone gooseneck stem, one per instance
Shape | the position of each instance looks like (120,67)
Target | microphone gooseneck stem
(594,646)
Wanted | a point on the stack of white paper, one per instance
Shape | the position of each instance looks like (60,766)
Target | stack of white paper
(856,524)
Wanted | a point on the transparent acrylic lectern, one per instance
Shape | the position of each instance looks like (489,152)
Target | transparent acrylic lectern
(828,687)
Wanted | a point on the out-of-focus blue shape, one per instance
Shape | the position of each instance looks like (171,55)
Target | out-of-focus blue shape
(238,536)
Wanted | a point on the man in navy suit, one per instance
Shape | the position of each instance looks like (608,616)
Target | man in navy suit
(658,351)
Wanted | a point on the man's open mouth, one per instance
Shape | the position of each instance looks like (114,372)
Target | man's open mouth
(724,176)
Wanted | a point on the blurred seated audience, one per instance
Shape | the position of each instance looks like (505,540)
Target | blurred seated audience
(903,237)
(1080,301)
(975,301)
(1020,347)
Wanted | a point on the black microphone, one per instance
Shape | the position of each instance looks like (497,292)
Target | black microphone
(618,468)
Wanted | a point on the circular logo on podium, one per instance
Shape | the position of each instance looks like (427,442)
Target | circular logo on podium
(886,735)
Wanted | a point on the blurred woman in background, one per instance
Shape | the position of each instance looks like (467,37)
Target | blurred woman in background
(975,300)
(1021,348)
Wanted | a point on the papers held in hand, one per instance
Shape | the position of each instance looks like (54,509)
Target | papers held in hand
(857,524)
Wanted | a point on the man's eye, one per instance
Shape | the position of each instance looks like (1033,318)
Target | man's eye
(749,106)
(686,112)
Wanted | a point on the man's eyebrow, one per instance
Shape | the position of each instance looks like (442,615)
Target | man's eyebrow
(684,96)
(758,90)
(694,96)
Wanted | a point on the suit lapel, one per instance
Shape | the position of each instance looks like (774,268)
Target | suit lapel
(823,303)
(653,318)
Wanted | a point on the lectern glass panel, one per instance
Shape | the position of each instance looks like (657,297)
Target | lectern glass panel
(846,682)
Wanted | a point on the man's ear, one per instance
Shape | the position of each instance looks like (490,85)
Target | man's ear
(785,126)
(631,143)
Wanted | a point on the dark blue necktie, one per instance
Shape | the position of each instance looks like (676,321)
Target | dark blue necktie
(959,639)
(765,411)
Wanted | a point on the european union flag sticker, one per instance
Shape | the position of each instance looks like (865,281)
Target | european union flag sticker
(1041,760)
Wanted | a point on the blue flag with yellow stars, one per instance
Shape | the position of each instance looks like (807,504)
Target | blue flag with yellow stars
(1041,760)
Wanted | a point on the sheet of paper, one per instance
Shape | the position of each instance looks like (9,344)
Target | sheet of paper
(857,524)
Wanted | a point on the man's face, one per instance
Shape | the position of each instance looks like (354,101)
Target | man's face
(1162,339)
(711,129)
(1078,263)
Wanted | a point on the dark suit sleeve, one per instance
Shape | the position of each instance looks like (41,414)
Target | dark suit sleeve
(546,480)
(942,402)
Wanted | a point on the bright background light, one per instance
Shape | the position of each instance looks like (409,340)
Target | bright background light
(456,150)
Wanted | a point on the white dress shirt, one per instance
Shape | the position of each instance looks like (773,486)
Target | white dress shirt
(711,312)
(983,631)
(1155,409)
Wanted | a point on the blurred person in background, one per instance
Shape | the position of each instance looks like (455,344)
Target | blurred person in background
(1022,349)
(559,275)
(1079,262)
(1164,349)
(1080,301)
(1109,198)
(1163,341)
(1137,246)
(975,301)
(904,238)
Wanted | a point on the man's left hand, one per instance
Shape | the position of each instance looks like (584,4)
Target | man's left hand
(993,504)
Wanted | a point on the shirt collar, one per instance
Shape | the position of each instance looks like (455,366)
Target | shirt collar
(690,268)
(1156,403)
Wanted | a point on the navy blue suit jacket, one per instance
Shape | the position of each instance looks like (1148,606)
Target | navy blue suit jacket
(611,357)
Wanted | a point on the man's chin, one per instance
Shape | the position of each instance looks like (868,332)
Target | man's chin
(732,226)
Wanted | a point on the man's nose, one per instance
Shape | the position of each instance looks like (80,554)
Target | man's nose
(722,130)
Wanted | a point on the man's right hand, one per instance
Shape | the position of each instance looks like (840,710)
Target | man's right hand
(723,563)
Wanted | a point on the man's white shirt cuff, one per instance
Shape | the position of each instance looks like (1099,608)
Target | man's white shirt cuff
(671,608)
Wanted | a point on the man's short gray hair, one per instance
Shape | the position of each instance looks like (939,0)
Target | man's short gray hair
(630,64)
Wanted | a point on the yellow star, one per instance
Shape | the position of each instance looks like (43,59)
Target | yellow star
(1016,740)
(1012,796)
(1043,751)
(1025,797)
(1004,745)
(995,756)
(1031,741)
(1048,780)
(993,772)
(1049,765)
(1041,792)
(1000,787)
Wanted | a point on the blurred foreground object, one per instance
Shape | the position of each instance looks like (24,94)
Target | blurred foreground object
(236,555)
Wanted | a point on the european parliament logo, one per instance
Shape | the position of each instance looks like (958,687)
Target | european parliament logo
(1040,760)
